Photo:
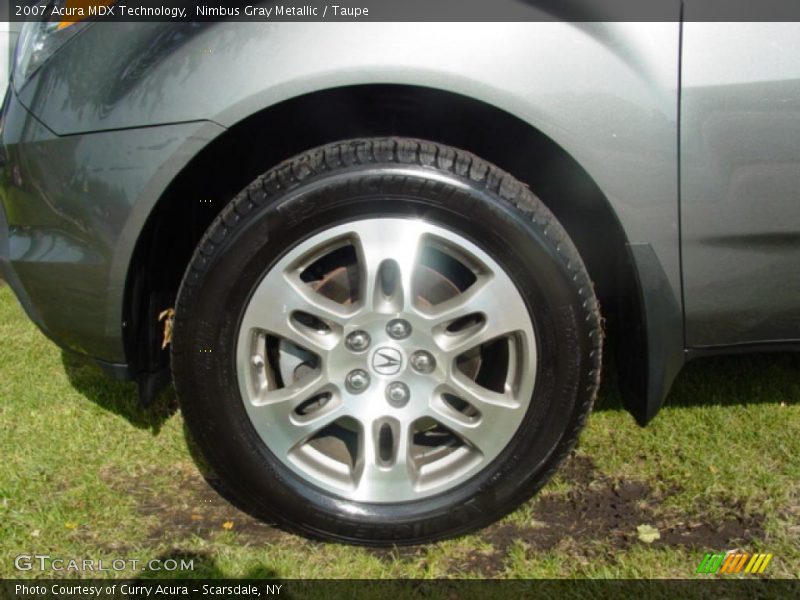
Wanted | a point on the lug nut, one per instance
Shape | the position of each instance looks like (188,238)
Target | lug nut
(423,361)
(398,329)
(357,381)
(398,394)
(357,341)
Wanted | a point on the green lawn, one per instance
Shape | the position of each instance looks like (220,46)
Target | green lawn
(87,474)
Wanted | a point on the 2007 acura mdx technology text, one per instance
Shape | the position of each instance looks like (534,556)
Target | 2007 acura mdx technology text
(394,251)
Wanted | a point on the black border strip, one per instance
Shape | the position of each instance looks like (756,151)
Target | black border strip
(702,587)
(435,10)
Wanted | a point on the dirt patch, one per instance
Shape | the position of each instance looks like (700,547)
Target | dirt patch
(578,470)
(182,504)
(605,510)
(610,509)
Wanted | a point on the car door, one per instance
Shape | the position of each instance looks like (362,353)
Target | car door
(740,182)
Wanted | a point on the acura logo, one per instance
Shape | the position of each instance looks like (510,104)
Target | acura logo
(387,361)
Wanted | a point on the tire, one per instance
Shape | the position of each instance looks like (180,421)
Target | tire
(346,205)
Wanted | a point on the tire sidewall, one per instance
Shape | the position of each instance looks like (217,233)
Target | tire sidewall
(206,334)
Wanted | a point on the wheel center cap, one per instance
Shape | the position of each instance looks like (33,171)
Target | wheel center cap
(387,361)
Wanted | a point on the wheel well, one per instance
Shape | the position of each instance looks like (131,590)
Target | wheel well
(257,143)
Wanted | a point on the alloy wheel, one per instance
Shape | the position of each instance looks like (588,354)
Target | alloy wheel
(386,359)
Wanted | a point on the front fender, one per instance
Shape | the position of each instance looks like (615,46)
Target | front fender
(605,93)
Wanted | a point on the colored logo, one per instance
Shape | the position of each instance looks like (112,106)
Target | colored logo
(387,361)
(734,562)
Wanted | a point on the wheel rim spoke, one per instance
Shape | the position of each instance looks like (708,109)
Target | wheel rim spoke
(500,316)
(291,396)
(288,430)
(380,251)
(301,297)
(394,475)
(481,398)
(495,412)
(481,297)
(279,308)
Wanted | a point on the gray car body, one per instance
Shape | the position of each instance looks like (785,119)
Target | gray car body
(702,177)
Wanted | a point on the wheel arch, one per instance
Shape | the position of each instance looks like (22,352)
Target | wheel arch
(642,315)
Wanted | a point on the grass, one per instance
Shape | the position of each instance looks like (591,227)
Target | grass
(86,473)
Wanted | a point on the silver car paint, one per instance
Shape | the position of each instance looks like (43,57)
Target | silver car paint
(740,182)
(606,93)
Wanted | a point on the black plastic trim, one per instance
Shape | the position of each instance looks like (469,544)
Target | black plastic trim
(745,348)
(652,353)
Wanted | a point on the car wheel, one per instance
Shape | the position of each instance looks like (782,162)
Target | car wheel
(385,341)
